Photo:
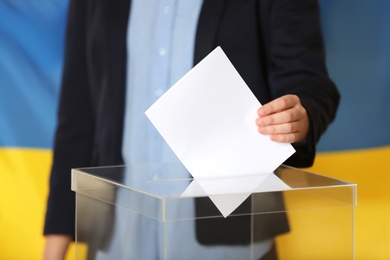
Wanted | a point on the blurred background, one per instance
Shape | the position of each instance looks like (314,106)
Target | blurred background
(356,147)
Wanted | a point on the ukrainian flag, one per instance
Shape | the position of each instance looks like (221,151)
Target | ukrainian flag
(31,57)
(356,147)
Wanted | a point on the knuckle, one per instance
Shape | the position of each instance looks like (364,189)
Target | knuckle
(290,128)
(295,137)
(295,98)
(288,117)
(284,102)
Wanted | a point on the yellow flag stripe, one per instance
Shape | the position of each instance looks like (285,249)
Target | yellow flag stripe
(24,178)
(24,175)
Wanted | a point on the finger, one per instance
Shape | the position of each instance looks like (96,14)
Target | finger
(286,128)
(285,138)
(279,104)
(286,116)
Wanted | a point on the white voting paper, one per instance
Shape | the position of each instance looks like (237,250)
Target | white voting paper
(208,119)
(228,193)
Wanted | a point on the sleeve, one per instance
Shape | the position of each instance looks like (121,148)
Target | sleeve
(296,65)
(75,127)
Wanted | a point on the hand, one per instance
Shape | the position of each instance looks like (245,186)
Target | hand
(284,119)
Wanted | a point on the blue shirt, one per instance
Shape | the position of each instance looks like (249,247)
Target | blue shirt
(156,28)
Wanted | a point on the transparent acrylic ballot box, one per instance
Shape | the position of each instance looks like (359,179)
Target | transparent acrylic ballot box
(155,211)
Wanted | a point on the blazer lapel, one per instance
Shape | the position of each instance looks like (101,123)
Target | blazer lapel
(116,41)
(113,104)
(208,25)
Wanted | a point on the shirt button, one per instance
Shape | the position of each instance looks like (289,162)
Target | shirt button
(158,92)
(162,52)
(166,9)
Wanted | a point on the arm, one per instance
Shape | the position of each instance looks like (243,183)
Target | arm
(73,137)
(306,99)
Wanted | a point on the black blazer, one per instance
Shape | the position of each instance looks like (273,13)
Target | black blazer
(276,46)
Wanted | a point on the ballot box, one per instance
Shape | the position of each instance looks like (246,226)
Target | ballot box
(158,211)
